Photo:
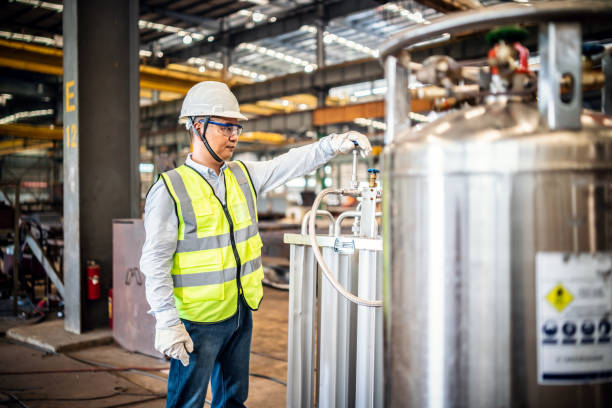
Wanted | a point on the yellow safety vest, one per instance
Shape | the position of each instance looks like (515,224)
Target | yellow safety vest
(218,253)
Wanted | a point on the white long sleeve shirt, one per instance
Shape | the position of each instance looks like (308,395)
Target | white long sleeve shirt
(161,223)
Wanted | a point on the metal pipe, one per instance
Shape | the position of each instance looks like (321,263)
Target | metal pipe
(319,212)
(498,15)
(317,251)
(341,217)
(347,214)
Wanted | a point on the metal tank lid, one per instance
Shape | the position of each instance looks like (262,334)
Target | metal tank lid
(506,13)
(502,137)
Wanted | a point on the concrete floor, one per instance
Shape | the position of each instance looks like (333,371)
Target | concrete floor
(136,389)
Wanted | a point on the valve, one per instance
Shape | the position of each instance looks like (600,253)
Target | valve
(373,176)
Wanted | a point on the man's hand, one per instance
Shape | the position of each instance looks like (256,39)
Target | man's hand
(345,142)
(174,342)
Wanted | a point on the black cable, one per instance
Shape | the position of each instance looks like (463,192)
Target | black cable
(127,404)
(257,353)
(98,397)
(267,377)
(17,400)
(99,364)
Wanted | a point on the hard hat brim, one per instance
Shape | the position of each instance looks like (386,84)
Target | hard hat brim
(224,114)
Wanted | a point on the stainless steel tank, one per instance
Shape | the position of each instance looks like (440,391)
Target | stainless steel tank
(492,216)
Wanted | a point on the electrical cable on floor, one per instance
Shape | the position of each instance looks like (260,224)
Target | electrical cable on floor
(95,363)
(17,400)
(127,404)
(98,397)
(103,367)
(258,353)
(83,370)
(267,377)
(99,364)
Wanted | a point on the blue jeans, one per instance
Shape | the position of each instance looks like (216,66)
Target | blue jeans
(221,351)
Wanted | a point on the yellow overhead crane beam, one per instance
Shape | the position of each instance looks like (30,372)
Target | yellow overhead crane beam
(19,145)
(47,60)
(348,113)
(263,137)
(34,132)
(31,137)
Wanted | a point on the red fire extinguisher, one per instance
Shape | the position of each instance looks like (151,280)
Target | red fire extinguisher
(93,280)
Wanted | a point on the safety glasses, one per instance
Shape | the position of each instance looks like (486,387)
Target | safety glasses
(227,129)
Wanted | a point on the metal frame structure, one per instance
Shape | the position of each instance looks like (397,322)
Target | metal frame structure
(343,338)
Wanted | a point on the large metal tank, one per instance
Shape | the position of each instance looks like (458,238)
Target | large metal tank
(496,238)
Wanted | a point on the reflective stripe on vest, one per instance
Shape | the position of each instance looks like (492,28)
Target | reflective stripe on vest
(206,262)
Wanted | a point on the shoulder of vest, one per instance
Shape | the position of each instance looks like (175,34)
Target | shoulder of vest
(240,166)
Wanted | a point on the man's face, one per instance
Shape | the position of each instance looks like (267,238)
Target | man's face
(221,139)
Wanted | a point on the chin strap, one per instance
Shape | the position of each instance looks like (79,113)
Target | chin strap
(210,150)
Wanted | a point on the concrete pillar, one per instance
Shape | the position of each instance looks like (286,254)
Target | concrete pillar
(100,144)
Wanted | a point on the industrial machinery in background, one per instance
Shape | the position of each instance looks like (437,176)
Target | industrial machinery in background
(335,337)
(497,217)
(31,253)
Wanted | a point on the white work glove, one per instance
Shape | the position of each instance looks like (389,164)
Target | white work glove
(174,342)
(343,143)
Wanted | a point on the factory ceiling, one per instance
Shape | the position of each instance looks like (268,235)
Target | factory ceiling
(241,42)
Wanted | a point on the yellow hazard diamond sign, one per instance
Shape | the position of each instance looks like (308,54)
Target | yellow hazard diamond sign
(559,297)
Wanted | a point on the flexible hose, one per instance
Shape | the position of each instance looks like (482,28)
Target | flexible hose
(317,253)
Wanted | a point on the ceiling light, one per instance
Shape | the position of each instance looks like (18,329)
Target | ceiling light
(258,17)
(21,115)
(187,39)
(309,68)
(273,19)
(260,2)
(159,54)
(416,16)
(362,93)
(202,68)
(329,38)
(211,38)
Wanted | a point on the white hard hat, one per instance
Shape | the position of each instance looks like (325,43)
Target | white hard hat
(210,98)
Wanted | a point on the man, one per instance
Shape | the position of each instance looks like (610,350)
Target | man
(202,255)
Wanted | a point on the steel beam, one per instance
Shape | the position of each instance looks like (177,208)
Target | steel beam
(46,264)
(325,78)
(35,132)
(28,88)
(305,15)
(100,93)
(206,23)
(293,124)
(47,60)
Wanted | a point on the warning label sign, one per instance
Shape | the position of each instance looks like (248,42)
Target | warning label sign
(559,297)
(574,316)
